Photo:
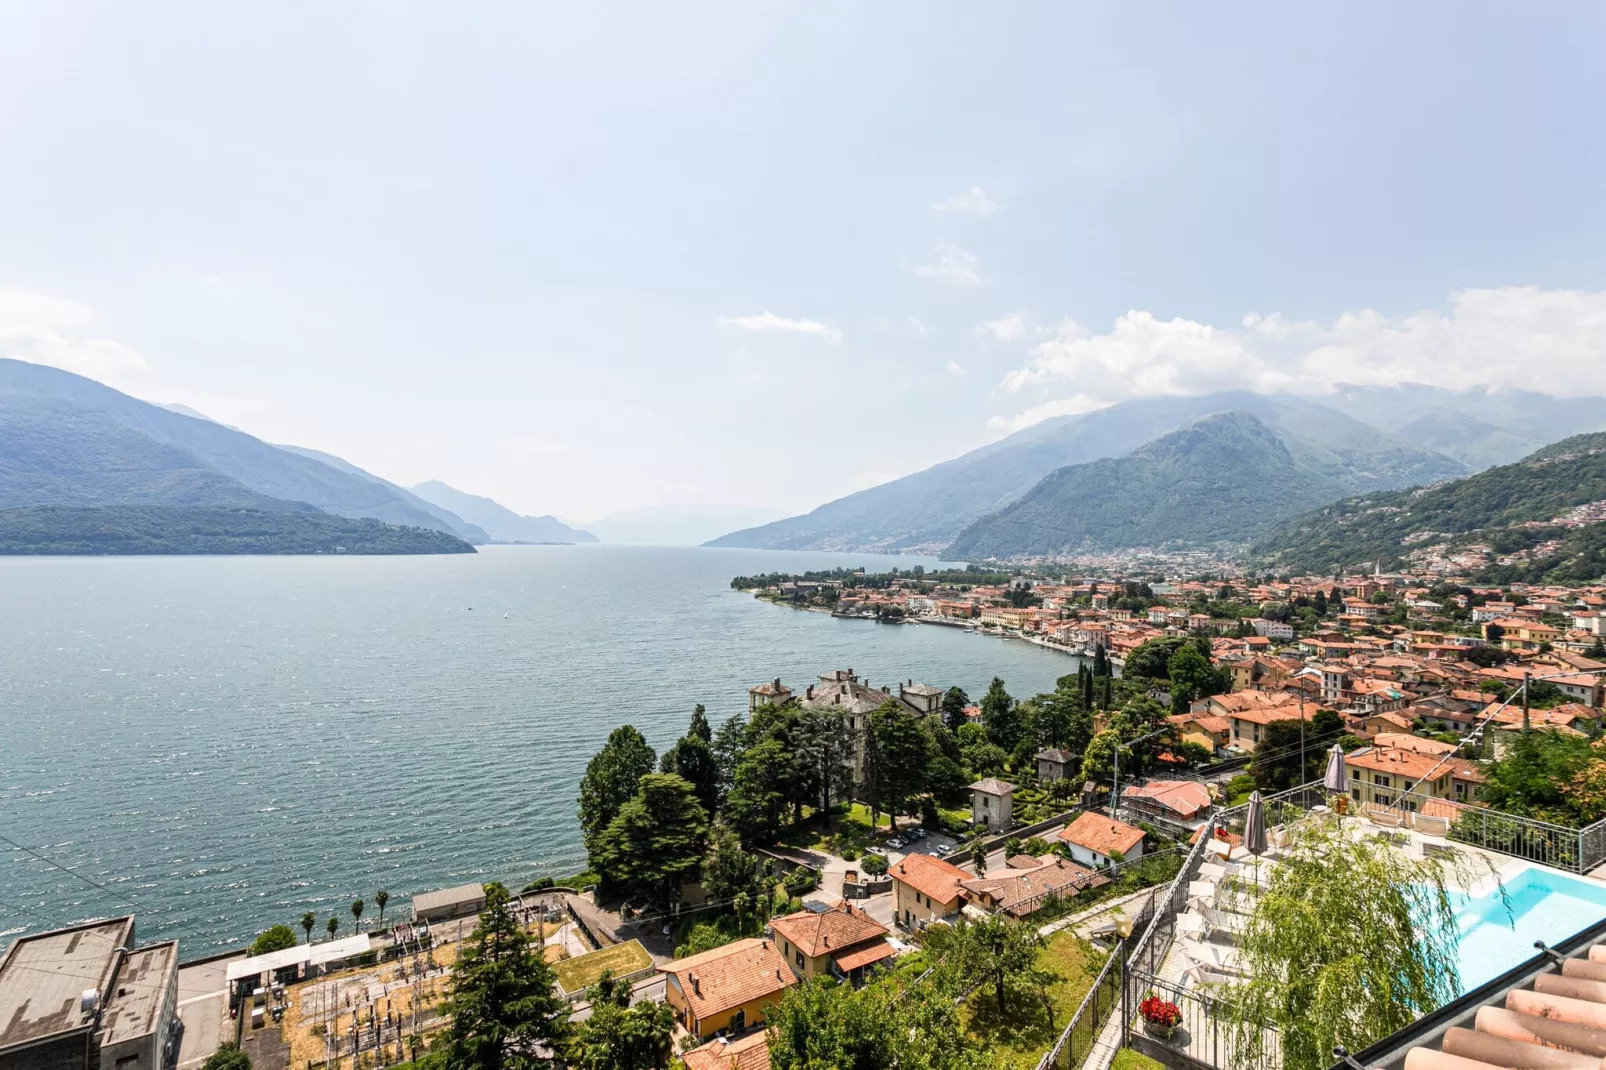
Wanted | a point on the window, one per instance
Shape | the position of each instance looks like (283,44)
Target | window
(1355,793)
(739,1022)
(1381,781)
(800,960)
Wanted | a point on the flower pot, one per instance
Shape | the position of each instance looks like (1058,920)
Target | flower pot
(1158,1031)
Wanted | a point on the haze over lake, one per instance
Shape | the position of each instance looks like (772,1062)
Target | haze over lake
(231,741)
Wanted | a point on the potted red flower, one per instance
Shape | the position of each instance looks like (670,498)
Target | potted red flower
(1160,1016)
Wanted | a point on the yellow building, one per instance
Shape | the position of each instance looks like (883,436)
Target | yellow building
(925,889)
(841,942)
(728,988)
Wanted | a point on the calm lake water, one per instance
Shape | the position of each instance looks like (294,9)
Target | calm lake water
(231,741)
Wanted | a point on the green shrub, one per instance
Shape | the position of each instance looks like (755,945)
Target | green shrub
(275,939)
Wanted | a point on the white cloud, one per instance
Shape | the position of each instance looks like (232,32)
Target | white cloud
(951,266)
(1076,403)
(50,330)
(1520,336)
(973,201)
(769,321)
(919,329)
(955,368)
(1010,328)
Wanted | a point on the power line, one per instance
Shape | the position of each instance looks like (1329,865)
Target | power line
(69,872)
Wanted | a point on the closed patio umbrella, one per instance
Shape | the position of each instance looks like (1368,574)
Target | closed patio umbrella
(1255,826)
(1334,778)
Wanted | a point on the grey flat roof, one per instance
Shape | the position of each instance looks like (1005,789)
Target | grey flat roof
(448,897)
(41,978)
(132,1009)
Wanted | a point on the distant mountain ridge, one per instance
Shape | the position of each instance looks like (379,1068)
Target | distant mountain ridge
(928,510)
(500,523)
(1223,479)
(1544,510)
(67,442)
(679,525)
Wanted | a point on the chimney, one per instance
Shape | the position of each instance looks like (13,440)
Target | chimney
(696,985)
(777,685)
(811,691)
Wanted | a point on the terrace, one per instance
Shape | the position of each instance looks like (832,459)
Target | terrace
(1185,944)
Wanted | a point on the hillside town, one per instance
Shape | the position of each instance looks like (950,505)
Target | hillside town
(881,836)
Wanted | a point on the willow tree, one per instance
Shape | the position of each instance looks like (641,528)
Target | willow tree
(1350,941)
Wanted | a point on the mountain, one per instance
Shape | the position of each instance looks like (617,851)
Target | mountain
(499,522)
(928,510)
(1479,427)
(1223,479)
(169,529)
(464,529)
(67,440)
(1540,516)
(679,525)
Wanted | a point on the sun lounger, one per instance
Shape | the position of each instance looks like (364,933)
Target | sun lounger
(1191,924)
(1387,819)
(1214,956)
(1208,975)
(1205,890)
(1211,871)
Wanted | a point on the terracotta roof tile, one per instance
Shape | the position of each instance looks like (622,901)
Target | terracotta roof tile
(1100,834)
(751,1052)
(931,877)
(829,931)
(729,976)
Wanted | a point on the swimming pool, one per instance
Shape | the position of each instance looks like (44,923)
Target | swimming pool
(1543,906)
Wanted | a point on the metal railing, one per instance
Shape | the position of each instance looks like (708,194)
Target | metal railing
(1158,916)
(1203,1034)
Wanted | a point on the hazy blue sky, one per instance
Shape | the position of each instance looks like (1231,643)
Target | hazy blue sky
(594,257)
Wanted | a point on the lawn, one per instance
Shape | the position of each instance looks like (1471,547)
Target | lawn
(583,972)
(1021,1035)
(1127,1059)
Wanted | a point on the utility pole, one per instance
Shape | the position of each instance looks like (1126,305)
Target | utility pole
(1525,678)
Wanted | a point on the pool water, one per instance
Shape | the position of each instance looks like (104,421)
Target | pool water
(1542,906)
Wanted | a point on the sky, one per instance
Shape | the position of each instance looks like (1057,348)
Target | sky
(585,258)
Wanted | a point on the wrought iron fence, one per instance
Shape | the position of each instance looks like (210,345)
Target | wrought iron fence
(1204,1033)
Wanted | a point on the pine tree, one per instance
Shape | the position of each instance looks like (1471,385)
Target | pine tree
(699,725)
(502,1005)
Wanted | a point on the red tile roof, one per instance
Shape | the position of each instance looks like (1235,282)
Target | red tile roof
(751,1052)
(1102,835)
(829,931)
(931,877)
(729,976)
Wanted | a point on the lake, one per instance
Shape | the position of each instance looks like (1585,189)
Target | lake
(222,743)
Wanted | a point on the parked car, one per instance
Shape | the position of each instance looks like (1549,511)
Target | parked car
(944,848)
(895,843)
(916,834)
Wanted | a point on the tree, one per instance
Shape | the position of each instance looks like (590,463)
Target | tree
(728,870)
(756,804)
(730,742)
(1327,726)
(332,925)
(1098,761)
(356,914)
(1275,763)
(954,701)
(502,1005)
(946,781)
(656,842)
(1150,660)
(1101,661)
(1351,940)
(1319,603)
(1000,715)
(901,753)
(276,938)
(381,897)
(618,1036)
(820,1025)
(825,748)
(699,725)
(978,852)
(308,920)
(1192,677)
(227,1057)
(999,953)
(692,759)
(611,780)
